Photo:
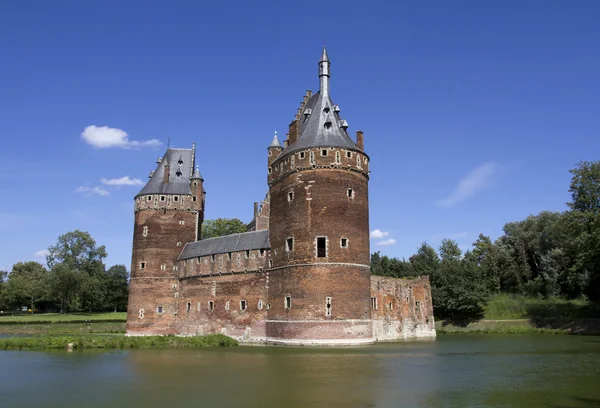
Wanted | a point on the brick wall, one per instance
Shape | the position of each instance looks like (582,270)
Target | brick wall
(401,308)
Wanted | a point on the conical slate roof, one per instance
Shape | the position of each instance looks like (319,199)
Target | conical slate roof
(320,123)
(275,142)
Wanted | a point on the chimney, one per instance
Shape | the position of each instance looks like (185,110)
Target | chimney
(166,173)
(294,130)
(360,140)
(255,209)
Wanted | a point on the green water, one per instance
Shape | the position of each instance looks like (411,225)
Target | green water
(453,371)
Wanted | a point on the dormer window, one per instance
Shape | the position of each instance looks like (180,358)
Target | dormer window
(327,125)
(178,173)
(326,110)
(180,161)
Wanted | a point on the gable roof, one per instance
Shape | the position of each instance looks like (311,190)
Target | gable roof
(227,243)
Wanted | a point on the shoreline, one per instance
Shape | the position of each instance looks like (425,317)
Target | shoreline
(522,326)
(100,341)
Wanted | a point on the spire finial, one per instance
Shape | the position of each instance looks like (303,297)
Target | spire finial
(324,72)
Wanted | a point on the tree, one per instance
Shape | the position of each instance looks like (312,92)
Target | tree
(425,261)
(3,276)
(27,283)
(77,250)
(222,226)
(116,287)
(64,286)
(585,187)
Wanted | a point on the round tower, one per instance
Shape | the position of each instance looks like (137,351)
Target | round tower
(319,282)
(169,211)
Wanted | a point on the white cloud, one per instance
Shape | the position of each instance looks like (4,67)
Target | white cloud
(105,137)
(92,190)
(479,179)
(123,181)
(378,234)
(42,252)
(390,241)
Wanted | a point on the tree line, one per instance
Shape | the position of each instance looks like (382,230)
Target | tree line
(75,279)
(552,254)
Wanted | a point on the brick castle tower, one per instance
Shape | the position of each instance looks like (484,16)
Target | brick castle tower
(319,285)
(168,214)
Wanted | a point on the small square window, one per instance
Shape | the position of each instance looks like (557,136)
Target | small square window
(188,307)
(142,265)
(247,254)
(229,256)
(176,198)
(212,258)
(344,242)
(270,170)
(194,198)
(350,193)
(290,196)
(242,305)
(288,302)
(211,305)
(324,152)
(289,244)
(149,198)
(348,154)
(162,198)
(179,244)
(302,155)
(159,310)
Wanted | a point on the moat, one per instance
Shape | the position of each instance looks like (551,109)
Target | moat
(452,371)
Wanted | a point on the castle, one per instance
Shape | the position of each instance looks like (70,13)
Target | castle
(300,275)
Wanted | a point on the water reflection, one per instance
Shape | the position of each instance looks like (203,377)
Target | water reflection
(454,371)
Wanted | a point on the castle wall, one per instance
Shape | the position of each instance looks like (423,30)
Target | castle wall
(401,308)
(226,314)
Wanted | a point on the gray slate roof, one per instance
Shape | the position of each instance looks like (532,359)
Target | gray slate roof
(177,184)
(227,243)
(320,123)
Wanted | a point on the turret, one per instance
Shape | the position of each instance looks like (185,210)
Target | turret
(274,150)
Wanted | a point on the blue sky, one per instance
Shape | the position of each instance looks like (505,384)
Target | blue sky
(473,112)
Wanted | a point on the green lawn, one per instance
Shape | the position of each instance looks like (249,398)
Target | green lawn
(80,342)
(65,317)
(505,307)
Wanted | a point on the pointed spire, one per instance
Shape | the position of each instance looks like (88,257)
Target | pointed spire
(275,142)
(197,174)
(324,56)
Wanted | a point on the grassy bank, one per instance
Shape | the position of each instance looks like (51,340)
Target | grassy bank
(114,342)
(507,307)
(62,328)
(63,318)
